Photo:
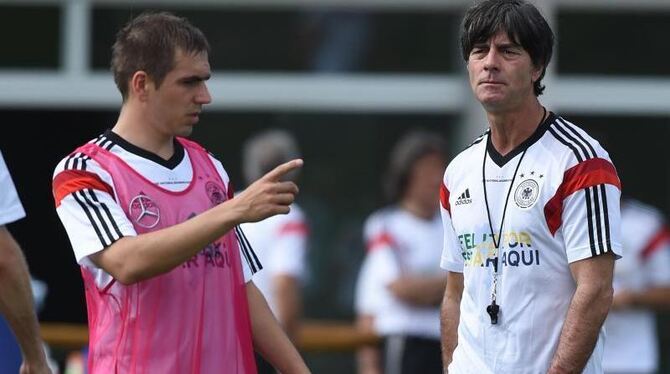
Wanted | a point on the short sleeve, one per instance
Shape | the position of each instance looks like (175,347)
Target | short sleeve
(452,259)
(87,208)
(591,222)
(287,252)
(250,262)
(10,205)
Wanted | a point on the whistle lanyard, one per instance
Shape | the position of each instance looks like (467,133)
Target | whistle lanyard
(493,309)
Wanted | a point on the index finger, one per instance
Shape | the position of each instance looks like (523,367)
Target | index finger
(281,170)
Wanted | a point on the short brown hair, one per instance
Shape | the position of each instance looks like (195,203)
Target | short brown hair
(149,43)
(413,146)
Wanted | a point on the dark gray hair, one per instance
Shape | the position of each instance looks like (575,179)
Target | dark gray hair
(407,151)
(267,150)
(523,24)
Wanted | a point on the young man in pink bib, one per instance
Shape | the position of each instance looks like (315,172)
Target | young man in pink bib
(152,222)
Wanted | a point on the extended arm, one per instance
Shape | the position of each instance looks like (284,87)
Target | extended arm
(16,304)
(269,339)
(450,314)
(419,290)
(588,310)
(132,259)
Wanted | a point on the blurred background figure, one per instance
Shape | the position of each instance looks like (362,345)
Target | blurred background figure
(400,284)
(641,288)
(279,241)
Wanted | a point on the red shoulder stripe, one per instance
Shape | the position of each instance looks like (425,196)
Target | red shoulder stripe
(444,197)
(657,241)
(589,173)
(69,181)
(382,239)
(295,227)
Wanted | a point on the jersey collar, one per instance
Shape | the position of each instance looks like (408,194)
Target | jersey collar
(171,163)
(501,160)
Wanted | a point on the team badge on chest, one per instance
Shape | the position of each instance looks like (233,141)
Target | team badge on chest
(215,193)
(526,193)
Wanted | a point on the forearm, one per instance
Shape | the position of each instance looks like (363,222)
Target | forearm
(450,313)
(449,317)
(288,302)
(368,357)
(269,339)
(655,298)
(133,259)
(421,291)
(16,302)
(587,312)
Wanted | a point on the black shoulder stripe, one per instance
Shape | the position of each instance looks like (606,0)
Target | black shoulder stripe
(574,141)
(108,213)
(248,251)
(252,254)
(76,161)
(577,134)
(243,250)
(608,240)
(566,143)
(85,208)
(96,210)
(589,221)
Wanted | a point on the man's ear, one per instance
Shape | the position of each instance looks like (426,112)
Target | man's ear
(140,85)
(536,73)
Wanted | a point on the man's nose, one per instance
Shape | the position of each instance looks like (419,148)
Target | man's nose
(203,96)
(491,60)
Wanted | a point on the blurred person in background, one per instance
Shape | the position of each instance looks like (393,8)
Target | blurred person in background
(531,215)
(641,288)
(153,225)
(400,284)
(16,296)
(279,241)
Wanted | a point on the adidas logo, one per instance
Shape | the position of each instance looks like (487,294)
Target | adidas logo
(464,198)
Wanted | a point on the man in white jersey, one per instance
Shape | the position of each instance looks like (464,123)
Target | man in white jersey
(531,215)
(153,224)
(641,287)
(400,285)
(16,300)
(279,241)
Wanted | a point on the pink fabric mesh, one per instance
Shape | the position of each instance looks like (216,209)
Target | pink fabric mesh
(193,319)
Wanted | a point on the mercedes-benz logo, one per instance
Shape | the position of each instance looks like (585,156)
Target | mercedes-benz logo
(144,211)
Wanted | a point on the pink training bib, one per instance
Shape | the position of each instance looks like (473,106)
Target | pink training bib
(193,319)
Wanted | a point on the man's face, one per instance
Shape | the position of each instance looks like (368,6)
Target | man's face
(501,73)
(178,102)
(425,179)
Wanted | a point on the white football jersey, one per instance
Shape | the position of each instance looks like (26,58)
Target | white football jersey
(398,243)
(10,205)
(281,244)
(632,342)
(558,193)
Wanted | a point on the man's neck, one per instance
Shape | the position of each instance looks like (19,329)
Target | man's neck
(511,128)
(136,130)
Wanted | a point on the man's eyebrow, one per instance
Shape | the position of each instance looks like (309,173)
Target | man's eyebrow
(508,45)
(194,78)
